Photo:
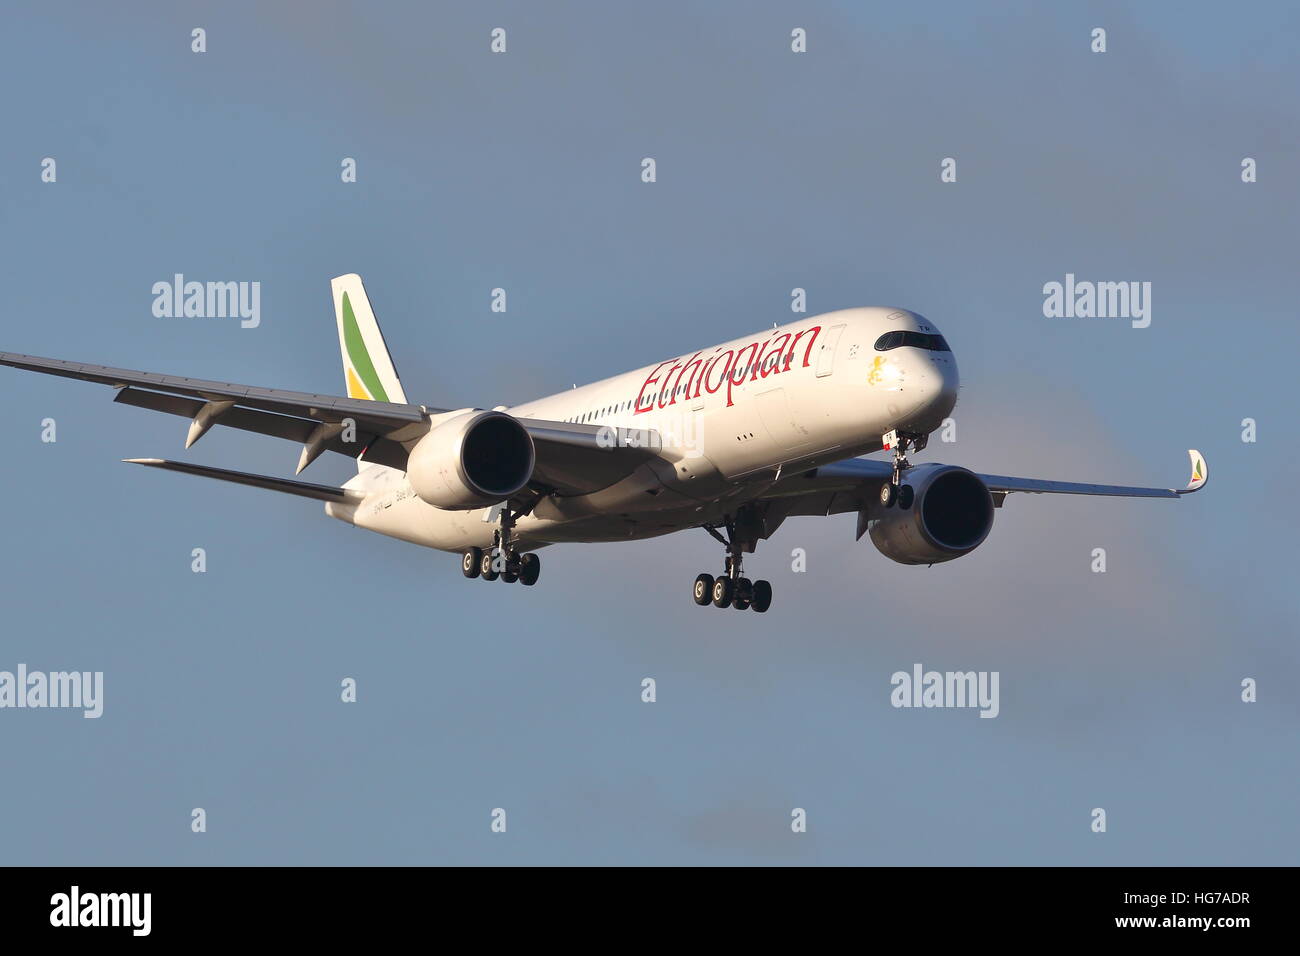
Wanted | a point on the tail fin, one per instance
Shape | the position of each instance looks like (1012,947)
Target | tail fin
(367,369)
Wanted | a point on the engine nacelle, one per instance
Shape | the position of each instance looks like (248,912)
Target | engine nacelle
(471,461)
(941,513)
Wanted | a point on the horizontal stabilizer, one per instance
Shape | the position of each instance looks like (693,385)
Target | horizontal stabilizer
(301,488)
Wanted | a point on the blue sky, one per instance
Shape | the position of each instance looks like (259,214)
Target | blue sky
(775,170)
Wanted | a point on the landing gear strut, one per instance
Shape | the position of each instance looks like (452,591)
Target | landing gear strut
(900,443)
(503,559)
(731,588)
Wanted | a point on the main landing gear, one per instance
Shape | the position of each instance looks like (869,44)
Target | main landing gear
(732,589)
(503,559)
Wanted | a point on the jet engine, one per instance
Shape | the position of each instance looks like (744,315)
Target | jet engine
(471,461)
(940,512)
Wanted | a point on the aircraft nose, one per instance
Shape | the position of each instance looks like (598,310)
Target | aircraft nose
(946,399)
(933,392)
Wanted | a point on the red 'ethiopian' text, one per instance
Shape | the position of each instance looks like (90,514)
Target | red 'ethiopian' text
(688,378)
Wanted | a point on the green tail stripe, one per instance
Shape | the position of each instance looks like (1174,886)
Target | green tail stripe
(365,369)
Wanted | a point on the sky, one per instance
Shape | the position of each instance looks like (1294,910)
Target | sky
(775,170)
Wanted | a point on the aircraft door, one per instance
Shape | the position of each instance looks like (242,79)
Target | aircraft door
(826,351)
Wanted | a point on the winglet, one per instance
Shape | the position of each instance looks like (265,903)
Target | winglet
(1200,473)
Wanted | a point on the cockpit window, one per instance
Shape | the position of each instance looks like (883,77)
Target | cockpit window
(916,340)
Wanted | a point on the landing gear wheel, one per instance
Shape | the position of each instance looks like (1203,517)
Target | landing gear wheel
(888,494)
(503,560)
(744,594)
(703,589)
(723,591)
(762,597)
(530,566)
(470,562)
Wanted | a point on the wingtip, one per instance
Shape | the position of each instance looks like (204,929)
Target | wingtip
(143,461)
(1200,472)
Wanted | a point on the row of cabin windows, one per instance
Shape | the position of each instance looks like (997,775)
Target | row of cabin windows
(624,406)
(607,410)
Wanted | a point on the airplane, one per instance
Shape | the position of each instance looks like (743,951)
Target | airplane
(732,438)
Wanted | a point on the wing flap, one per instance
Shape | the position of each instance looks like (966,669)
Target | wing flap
(264,423)
(368,446)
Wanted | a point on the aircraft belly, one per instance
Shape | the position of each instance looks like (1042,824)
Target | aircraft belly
(407,518)
(610,527)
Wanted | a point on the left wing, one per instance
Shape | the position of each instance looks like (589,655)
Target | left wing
(1036,486)
(847,485)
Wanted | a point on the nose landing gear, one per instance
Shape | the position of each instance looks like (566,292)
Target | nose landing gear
(899,443)
(732,588)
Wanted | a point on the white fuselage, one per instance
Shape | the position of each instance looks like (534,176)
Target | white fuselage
(732,419)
